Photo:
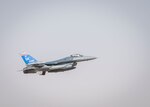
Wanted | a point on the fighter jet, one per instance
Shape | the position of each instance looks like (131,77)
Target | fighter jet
(64,64)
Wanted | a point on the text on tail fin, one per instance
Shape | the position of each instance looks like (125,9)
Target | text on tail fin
(28,59)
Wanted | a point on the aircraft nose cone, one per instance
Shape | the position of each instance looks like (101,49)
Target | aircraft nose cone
(91,58)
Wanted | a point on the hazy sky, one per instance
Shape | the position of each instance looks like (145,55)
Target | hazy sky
(115,31)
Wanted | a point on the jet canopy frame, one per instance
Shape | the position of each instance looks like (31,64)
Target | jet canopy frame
(76,55)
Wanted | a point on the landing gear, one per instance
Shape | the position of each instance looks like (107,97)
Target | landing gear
(43,73)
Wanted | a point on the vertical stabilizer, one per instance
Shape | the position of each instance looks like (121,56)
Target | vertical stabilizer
(28,59)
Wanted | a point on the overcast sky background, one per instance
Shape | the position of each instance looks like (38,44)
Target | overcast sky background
(115,31)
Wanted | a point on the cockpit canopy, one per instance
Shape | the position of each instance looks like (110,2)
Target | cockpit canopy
(76,55)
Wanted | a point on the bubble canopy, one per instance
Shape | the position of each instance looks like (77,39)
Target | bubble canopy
(76,55)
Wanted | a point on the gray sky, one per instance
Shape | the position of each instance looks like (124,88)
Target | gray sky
(117,32)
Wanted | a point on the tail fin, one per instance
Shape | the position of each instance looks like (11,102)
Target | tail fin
(28,59)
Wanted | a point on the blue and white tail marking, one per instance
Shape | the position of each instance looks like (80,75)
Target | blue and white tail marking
(28,59)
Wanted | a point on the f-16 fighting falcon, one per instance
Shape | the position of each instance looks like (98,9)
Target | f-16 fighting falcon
(64,64)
